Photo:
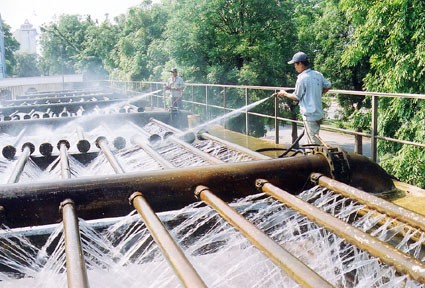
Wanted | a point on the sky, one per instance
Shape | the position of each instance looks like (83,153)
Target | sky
(15,12)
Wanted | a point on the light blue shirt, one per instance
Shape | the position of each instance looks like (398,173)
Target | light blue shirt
(308,90)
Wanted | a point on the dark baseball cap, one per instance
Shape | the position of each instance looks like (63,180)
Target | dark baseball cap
(174,70)
(298,57)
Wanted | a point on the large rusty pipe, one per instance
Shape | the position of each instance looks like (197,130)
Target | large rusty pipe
(172,252)
(102,144)
(165,190)
(75,265)
(296,269)
(27,149)
(203,135)
(9,151)
(63,146)
(141,141)
(402,262)
(371,201)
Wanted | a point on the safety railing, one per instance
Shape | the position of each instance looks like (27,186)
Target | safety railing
(211,101)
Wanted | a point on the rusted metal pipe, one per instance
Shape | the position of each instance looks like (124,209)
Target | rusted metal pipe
(75,265)
(27,149)
(165,190)
(296,269)
(9,151)
(63,146)
(371,201)
(402,262)
(102,144)
(172,252)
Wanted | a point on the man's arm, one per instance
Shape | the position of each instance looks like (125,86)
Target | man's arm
(283,93)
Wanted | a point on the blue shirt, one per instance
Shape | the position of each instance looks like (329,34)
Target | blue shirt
(308,90)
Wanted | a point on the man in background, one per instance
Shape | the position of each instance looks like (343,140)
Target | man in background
(308,92)
(175,85)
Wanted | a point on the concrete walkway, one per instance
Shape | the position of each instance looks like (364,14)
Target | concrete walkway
(344,141)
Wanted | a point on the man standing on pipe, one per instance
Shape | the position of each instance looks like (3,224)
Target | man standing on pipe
(176,86)
(308,92)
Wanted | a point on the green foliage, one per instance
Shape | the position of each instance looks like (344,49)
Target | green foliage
(390,34)
(26,65)
(10,46)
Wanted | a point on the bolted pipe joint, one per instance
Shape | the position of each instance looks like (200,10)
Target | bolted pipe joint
(314,178)
(99,140)
(259,183)
(64,203)
(28,145)
(65,142)
(46,149)
(198,191)
(9,152)
(134,196)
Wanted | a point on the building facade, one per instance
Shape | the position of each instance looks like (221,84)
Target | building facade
(26,35)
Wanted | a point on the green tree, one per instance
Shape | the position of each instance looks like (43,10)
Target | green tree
(10,46)
(232,42)
(63,43)
(391,35)
(26,65)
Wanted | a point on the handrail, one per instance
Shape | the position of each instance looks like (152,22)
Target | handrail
(190,102)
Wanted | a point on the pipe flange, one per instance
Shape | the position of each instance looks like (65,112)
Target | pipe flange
(64,203)
(338,162)
(314,178)
(30,146)
(199,189)
(100,139)
(259,183)
(134,196)
(67,145)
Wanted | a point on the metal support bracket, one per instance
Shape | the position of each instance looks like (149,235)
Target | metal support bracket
(338,162)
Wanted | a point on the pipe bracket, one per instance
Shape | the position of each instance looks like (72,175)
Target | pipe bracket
(338,162)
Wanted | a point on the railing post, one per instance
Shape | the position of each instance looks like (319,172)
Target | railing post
(374,128)
(224,106)
(358,142)
(276,120)
(193,105)
(206,103)
(246,111)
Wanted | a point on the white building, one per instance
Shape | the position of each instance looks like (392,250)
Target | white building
(26,36)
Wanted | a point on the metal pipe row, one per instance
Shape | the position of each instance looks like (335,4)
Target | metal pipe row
(402,262)
(401,214)
(296,269)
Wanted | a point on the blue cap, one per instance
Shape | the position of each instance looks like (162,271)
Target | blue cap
(298,57)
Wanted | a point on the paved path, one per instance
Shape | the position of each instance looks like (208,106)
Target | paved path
(344,141)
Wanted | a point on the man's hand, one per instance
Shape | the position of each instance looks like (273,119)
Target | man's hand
(282,93)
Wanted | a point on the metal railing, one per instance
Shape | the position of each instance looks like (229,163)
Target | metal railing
(212,100)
